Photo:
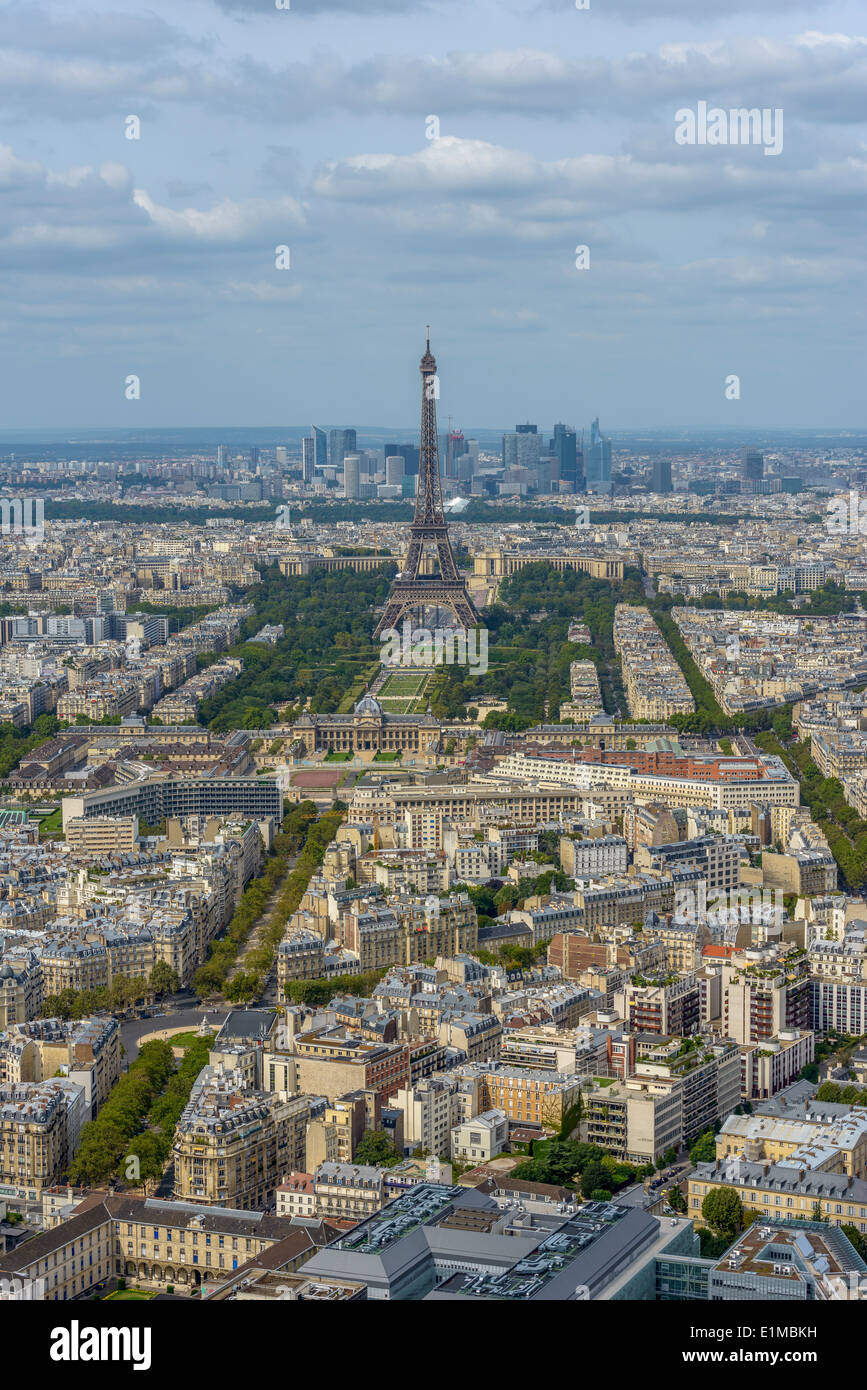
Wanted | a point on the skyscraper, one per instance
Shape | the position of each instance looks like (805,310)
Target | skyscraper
(569,457)
(409,454)
(342,442)
(321,452)
(352,475)
(308,459)
(753,467)
(660,480)
(598,460)
(522,448)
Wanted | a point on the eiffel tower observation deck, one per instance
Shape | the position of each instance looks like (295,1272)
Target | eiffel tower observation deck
(412,593)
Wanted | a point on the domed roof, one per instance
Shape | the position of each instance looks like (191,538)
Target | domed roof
(367,705)
(6,972)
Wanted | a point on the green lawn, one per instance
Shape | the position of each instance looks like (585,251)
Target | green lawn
(131,1295)
(403,692)
(185,1039)
(53,824)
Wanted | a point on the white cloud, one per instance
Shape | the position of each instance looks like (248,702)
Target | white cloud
(226,221)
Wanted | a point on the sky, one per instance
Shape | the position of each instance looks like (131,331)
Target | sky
(429,162)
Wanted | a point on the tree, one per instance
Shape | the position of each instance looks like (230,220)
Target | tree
(676,1199)
(855,1238)
(670,1156)
(150,1152)
(723,1211)
(704,1148)
(600,1194)
(376,1149)
(163,979)
(594,1178)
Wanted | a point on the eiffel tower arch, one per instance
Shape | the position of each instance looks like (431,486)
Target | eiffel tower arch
(412,592)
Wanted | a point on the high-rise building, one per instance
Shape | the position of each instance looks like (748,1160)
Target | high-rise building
(254,457)
(753,468)
(660,480)
(409,454)
(308,459)
(522,448)
(321,450)
(343,442)
(352,475)
(281,453)
(598,460)
(394,469)
(569,457)
(222,455)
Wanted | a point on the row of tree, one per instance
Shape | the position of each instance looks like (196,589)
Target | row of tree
(318,834)
(131,1137)
(122,993)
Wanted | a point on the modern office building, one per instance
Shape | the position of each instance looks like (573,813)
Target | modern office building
(342,442)
(598,464)
(753,467)
(352,475)
(660,478)
(570,459)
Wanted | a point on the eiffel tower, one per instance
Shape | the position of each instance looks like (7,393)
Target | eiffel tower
(410,590)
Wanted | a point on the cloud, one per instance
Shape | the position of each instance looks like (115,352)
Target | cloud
(637,11)
(311,8)
(227,221)
(817,76)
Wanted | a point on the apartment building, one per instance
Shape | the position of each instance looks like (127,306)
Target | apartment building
(429,1109)
(764,994)
(635,1120)
(773,1064)
(526,1096)
(655,687)
(300,956)
(334,1061)
(608,854)
(233,1145)
(663,1004)
(100,835)
(40,1124)
(348,1191)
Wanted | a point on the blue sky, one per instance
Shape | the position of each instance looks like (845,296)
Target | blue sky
(307,127)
